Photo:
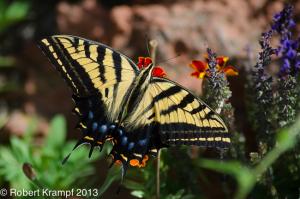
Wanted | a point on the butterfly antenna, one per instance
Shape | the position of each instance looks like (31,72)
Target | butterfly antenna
(169,59)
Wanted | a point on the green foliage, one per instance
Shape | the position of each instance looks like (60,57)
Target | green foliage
(7,84)
(45,158)
(112,176)
(270,171)
(246,177)
(6,61)
(173,177)
(12,12)
(287,100)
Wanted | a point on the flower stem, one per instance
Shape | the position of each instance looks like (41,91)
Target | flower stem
(158,175)
(153,48)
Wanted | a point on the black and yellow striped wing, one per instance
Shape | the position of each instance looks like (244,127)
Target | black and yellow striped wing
(180,117)
(102,80)
(92,70)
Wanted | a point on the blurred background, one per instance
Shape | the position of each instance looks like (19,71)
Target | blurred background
(32,93)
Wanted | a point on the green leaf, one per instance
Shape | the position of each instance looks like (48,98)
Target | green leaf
(244,176)
(30,130)
(7,158)
(11,169)
(138,193)
(57,132)
(285,139)
(6,61)
(17,10)
(113,175)
(12,12)
(20,150)
(178,195)
(130,184)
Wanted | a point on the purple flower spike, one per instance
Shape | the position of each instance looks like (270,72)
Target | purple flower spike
(291,53)
(288,48)
(297,65)
(283,20)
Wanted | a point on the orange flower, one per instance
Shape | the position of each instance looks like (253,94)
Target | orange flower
(228,70)
(144,62)
(201,68)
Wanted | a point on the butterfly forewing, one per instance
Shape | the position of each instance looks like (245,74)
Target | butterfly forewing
(178,117)
(185,119)
(91,68)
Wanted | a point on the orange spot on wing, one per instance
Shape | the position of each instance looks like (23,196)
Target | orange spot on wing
(118,162)
(136,163)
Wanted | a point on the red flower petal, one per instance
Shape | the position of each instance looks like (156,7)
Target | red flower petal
(147,61)
(199,75)
(221,61)
(195,74)
(158,72)
(199,65)
(141,61)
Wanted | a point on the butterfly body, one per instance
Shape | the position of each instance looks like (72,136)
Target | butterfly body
(136,91)
(117,101)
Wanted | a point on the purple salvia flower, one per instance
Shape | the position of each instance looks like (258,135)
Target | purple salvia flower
(297,65)
(283,20)
(287,50)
